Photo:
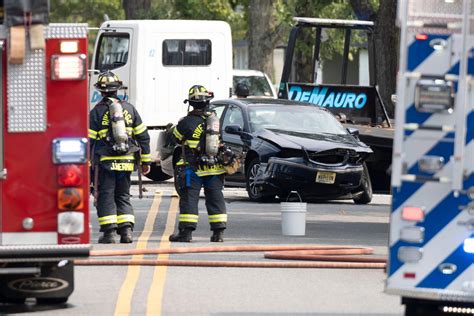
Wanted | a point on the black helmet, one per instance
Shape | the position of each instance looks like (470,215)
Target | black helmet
(108,82)
(242,90)
(198,95)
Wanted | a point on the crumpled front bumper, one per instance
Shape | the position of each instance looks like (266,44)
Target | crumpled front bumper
(281,175)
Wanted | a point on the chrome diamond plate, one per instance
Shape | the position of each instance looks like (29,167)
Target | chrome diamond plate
(66,30)
(26,94)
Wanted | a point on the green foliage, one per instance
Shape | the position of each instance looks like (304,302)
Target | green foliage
(85,11)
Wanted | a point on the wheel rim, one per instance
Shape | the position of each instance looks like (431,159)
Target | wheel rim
(252,177)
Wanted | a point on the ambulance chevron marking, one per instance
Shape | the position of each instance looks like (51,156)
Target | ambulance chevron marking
(449,238)
(438,280)
(458,284)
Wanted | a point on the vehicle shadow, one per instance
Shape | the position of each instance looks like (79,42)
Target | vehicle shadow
(31,307)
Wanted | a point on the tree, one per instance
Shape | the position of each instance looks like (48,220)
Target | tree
(386,42)
(260,25)
(134,9)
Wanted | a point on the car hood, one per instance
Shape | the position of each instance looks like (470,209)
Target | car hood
(311,142)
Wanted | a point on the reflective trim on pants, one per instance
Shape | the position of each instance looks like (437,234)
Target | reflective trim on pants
(126,218)
(189,218)
(111,219)
(218,218)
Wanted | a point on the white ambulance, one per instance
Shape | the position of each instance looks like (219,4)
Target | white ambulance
(431,257)
(158,61)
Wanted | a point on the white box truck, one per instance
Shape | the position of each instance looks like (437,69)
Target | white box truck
(158,61)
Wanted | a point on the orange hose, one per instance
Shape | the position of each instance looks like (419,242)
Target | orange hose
(229,264)
(333,257)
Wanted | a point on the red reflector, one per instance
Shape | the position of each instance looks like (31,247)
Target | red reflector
(69,175)
(411,213)
(409,275)
(421,37)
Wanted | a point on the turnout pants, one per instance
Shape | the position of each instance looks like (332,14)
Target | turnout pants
(189,200)
(114,209)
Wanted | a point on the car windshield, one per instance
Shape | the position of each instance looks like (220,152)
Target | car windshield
(258,85)
(294,118)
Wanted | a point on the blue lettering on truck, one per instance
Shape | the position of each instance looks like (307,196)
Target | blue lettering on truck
(96,97)
(320,96)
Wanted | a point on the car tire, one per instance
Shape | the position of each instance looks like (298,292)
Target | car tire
(252,190)
(366,187)
(156,174)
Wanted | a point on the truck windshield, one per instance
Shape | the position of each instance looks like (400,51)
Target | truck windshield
(113,51)
(294,118)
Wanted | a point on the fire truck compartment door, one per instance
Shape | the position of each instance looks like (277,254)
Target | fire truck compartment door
(3,171)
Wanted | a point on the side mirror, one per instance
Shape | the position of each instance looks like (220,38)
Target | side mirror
(353,131)
(233,129)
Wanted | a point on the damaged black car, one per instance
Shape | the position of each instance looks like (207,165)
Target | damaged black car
(291,146)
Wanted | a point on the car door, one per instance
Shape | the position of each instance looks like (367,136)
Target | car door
(234,115)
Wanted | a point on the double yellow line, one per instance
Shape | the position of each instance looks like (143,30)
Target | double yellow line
(124,300)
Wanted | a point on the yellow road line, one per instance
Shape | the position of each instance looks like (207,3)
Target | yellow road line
(124,300)
(155,294)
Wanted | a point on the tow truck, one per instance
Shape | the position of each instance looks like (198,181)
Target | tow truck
(359,107)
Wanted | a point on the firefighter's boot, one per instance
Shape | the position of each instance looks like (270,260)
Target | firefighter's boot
(108,237)
(217,235)
(126,235)
(184,235)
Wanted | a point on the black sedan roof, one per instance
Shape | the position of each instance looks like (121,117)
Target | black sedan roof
(265,101)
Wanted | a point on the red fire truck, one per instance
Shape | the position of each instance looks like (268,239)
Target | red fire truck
(44,176)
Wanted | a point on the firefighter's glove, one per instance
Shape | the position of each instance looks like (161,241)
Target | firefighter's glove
(145,169)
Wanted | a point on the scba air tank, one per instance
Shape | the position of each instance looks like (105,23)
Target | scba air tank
(119,130)
(212,134)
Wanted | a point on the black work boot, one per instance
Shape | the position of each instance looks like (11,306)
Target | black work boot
(108,237)
(184,235)
(126,235)
(217,235)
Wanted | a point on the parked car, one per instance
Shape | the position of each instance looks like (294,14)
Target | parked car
(292,146)
(257,82)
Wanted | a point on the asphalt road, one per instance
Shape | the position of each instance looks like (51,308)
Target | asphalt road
(161,290)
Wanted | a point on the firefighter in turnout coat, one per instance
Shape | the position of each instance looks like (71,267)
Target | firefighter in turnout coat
(119,141)
(196,169)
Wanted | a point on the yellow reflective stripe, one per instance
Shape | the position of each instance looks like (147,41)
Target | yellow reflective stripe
(92,134)
(103,132)
(126,218)
(217,218)
(189,218)
(209,173)
(146,157)
(191,143)
(139,129)
(128,157)
(177,134)
(180,162)
(110,219)
(129,130)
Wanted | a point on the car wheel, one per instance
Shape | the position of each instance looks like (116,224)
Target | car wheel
(156,174)
(366,187)
(252,190)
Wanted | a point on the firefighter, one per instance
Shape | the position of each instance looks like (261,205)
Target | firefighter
(198,168)
(242,90)
(119,142)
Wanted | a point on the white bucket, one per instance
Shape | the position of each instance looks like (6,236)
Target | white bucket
(293,218)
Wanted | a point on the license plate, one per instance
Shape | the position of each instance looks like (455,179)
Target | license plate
(326,177)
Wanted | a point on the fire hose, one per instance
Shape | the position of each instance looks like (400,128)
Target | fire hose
(312,256)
